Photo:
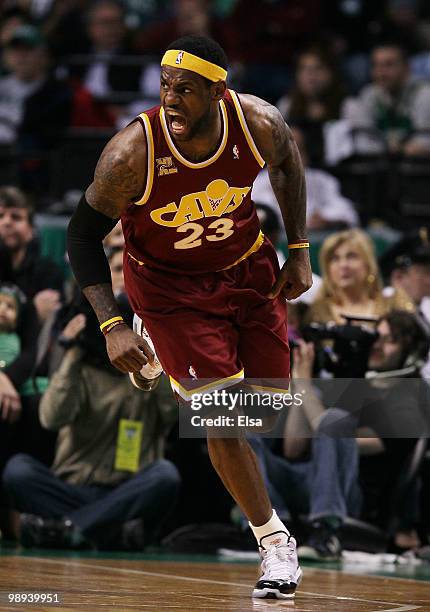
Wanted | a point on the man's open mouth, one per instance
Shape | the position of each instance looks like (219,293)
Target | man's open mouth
(177,123)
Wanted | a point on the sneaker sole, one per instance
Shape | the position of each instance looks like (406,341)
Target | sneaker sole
(267,593)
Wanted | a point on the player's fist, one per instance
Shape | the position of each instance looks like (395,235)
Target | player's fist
(149,375)
(127,350)
(295,276)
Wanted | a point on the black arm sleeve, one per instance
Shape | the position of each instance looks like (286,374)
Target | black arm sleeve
(85,234)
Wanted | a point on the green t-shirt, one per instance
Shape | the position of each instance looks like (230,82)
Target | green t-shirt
(10,348)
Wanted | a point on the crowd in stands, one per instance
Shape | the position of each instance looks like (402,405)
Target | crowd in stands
(88,460)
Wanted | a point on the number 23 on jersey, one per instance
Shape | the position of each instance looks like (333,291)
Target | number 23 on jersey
(218,199)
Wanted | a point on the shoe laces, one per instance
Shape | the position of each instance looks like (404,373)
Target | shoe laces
(280,561)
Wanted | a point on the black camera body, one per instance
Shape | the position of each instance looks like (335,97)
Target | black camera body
(348,354)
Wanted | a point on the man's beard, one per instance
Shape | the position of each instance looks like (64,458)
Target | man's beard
(200,126)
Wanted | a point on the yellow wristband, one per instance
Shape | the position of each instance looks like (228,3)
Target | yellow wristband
(109,321)
(298,245)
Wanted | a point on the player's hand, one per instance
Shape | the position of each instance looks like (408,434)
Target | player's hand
(295,276)
(127,350)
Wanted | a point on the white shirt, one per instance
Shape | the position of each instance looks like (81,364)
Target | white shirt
(323,196)
(13,94)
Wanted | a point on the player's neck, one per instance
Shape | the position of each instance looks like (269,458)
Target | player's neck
(207,140)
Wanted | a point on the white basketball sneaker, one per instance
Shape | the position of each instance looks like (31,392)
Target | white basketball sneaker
(149,375)
(281,573)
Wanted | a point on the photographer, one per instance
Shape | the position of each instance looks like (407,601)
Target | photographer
(383,432)
(109,476)
(322,469)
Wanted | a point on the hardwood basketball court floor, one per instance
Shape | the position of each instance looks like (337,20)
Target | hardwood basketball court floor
(90,581)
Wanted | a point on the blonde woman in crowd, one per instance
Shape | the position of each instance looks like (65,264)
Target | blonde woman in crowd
(351,281)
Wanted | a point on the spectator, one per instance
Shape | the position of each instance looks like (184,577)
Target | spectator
(395,105)
(326,208)
(103,72)
(351,281)
(64,20)
(316,98)
(191,17)
(350,26)
(19,397)
(35,107)
(281,28)
(18,338)
(108,474)
(10,21)
(405,24)
(10,305)
(407,266)
(38,277)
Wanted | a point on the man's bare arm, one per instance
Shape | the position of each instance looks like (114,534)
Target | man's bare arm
(119,177)
(276,144)
(279,150)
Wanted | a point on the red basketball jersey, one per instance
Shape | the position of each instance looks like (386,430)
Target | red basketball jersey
(196,217)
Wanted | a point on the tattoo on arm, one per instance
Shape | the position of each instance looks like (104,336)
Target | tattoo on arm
(277,147)
(288,180)
(103,301)
(115,185)
(120,173)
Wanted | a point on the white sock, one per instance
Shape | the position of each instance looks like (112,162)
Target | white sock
(273,525)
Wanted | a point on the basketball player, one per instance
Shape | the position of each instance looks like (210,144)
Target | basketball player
(197,269)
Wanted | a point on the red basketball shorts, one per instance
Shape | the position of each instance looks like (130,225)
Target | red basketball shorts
(218,327)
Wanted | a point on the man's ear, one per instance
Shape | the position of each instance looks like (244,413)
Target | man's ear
(218,90)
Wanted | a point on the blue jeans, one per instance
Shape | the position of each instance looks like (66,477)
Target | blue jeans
(35,489)
(327,484)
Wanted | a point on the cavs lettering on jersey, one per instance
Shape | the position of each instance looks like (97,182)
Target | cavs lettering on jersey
(196,217)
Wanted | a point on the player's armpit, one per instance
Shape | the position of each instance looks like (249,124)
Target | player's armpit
(120,174)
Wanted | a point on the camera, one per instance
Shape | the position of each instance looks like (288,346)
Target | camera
(348,353)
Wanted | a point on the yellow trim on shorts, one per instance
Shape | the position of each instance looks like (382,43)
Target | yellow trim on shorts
(180,157)
(141,263)
(257,244)
(245,129)
(268,389)
(187,394)
(150,160)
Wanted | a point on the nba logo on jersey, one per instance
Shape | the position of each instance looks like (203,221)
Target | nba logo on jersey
(235,152)
(179,57)
(192,372)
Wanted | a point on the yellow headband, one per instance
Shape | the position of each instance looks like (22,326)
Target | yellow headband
(188,61)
